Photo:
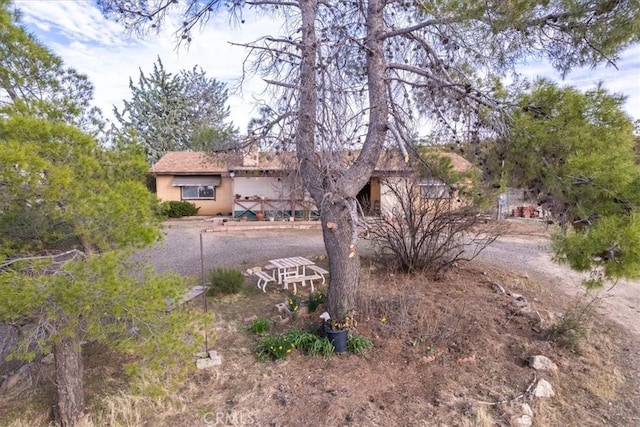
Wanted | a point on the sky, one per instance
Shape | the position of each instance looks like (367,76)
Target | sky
(76,31)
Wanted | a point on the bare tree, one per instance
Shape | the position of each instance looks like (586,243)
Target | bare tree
(360,73)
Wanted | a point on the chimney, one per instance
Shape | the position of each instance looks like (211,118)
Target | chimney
(250,153)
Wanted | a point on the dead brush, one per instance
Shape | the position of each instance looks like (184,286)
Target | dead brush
(391,300)
(402,306)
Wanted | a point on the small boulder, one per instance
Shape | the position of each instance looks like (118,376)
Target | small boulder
(526,409)
(543,389)
(498,288)
(542,363)
(521,421)
(215,357)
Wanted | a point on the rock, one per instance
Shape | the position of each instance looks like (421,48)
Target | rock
(497,288)
(520,301)
(48,359)
(18,383)
(426,359)
(526,409)
(521,421)
(283,308)
(542,363)
(543,389)
(250,318)
(206,363)
(215,357)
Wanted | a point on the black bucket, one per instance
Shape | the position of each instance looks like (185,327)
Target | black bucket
(339,339)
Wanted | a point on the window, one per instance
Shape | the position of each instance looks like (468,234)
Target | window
(198,192)
(434,189)
(197,186)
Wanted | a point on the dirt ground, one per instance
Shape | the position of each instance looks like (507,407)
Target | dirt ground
(446,353)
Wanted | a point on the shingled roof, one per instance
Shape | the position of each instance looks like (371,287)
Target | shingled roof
(197,163)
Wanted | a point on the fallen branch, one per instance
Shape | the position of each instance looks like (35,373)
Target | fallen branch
(518,397)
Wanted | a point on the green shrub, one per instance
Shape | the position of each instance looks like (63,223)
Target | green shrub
(359,345)
(573,328)
(176,209)
(224,281)
(259,326)
(316,299)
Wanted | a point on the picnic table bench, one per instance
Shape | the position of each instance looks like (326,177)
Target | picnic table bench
(263,279)
(301,279)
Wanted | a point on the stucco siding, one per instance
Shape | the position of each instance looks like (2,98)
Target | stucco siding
(220,206)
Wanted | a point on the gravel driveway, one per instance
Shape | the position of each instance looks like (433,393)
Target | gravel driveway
(180,250)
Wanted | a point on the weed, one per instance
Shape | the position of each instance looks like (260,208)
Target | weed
(316,299)
(259,326)
(310,343)
(293,303)
(359,345)
(224,281)
(573,327)
(320,346)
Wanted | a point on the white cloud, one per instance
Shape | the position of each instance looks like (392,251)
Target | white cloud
(99,48)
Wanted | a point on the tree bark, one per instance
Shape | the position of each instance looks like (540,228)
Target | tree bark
(344,262)
(69,384)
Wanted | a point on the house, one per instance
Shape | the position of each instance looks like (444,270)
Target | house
(252,183)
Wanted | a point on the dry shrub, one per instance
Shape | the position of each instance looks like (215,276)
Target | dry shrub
(574,326)
(480,417)
(431,234)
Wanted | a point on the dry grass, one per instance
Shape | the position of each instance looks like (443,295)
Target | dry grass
(449,352)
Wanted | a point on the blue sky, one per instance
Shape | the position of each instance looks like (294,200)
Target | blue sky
(77,32)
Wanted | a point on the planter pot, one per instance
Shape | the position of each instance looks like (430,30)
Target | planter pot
(338,339)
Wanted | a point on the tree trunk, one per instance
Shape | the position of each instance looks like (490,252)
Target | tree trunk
(345,269)
(69,385)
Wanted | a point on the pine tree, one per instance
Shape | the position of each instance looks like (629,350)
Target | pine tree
(176,112)
(574,152)
(70,214)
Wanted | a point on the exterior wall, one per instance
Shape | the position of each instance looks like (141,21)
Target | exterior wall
(388,200)
(220,206)
(272,196)
(261,187)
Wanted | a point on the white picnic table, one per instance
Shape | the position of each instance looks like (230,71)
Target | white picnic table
(293,270)
(290,267)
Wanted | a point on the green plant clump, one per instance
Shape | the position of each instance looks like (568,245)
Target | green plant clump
(259,326)
(569,332)
(293,304)
(316,299)
(359,345)
(310,343)
(274,347)
(225,281)
(176,209)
